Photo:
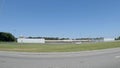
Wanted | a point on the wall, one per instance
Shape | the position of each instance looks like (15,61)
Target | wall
(26,40)
(109,39)
(67,41)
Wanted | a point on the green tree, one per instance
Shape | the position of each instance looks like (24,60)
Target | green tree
(7,37)
(117,38)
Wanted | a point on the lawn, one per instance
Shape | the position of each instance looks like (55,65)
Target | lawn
(57,47)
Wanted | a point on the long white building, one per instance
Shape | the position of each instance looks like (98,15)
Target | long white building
(28,40)
(109,39)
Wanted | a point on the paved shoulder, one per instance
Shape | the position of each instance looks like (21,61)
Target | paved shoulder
(107,58)
(59,54)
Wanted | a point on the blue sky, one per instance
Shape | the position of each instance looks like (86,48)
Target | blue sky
(61,18)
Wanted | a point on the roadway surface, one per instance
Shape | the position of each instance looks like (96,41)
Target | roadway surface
(108,58)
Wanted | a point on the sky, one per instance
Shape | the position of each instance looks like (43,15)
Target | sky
(61,18)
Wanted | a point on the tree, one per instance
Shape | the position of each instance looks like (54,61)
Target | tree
(117,38)
(64,39)
(7,37)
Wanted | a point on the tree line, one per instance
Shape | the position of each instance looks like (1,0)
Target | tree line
(49,38)
(8,37)
(118,38)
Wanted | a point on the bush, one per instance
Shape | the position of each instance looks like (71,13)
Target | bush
(7,37)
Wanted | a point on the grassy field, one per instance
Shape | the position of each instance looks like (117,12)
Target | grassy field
(56,47)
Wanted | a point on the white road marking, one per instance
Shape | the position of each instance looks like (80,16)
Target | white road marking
(117,57)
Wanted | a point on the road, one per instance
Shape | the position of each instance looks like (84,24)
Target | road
(108,58)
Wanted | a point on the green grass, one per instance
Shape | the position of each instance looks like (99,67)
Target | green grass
(56,47)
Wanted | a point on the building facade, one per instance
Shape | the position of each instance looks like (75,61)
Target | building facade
(28,40)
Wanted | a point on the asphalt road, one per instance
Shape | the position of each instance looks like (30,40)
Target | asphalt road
(109,58)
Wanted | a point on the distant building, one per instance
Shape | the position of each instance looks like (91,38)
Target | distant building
(29,40)
(23,39)
(108,39)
